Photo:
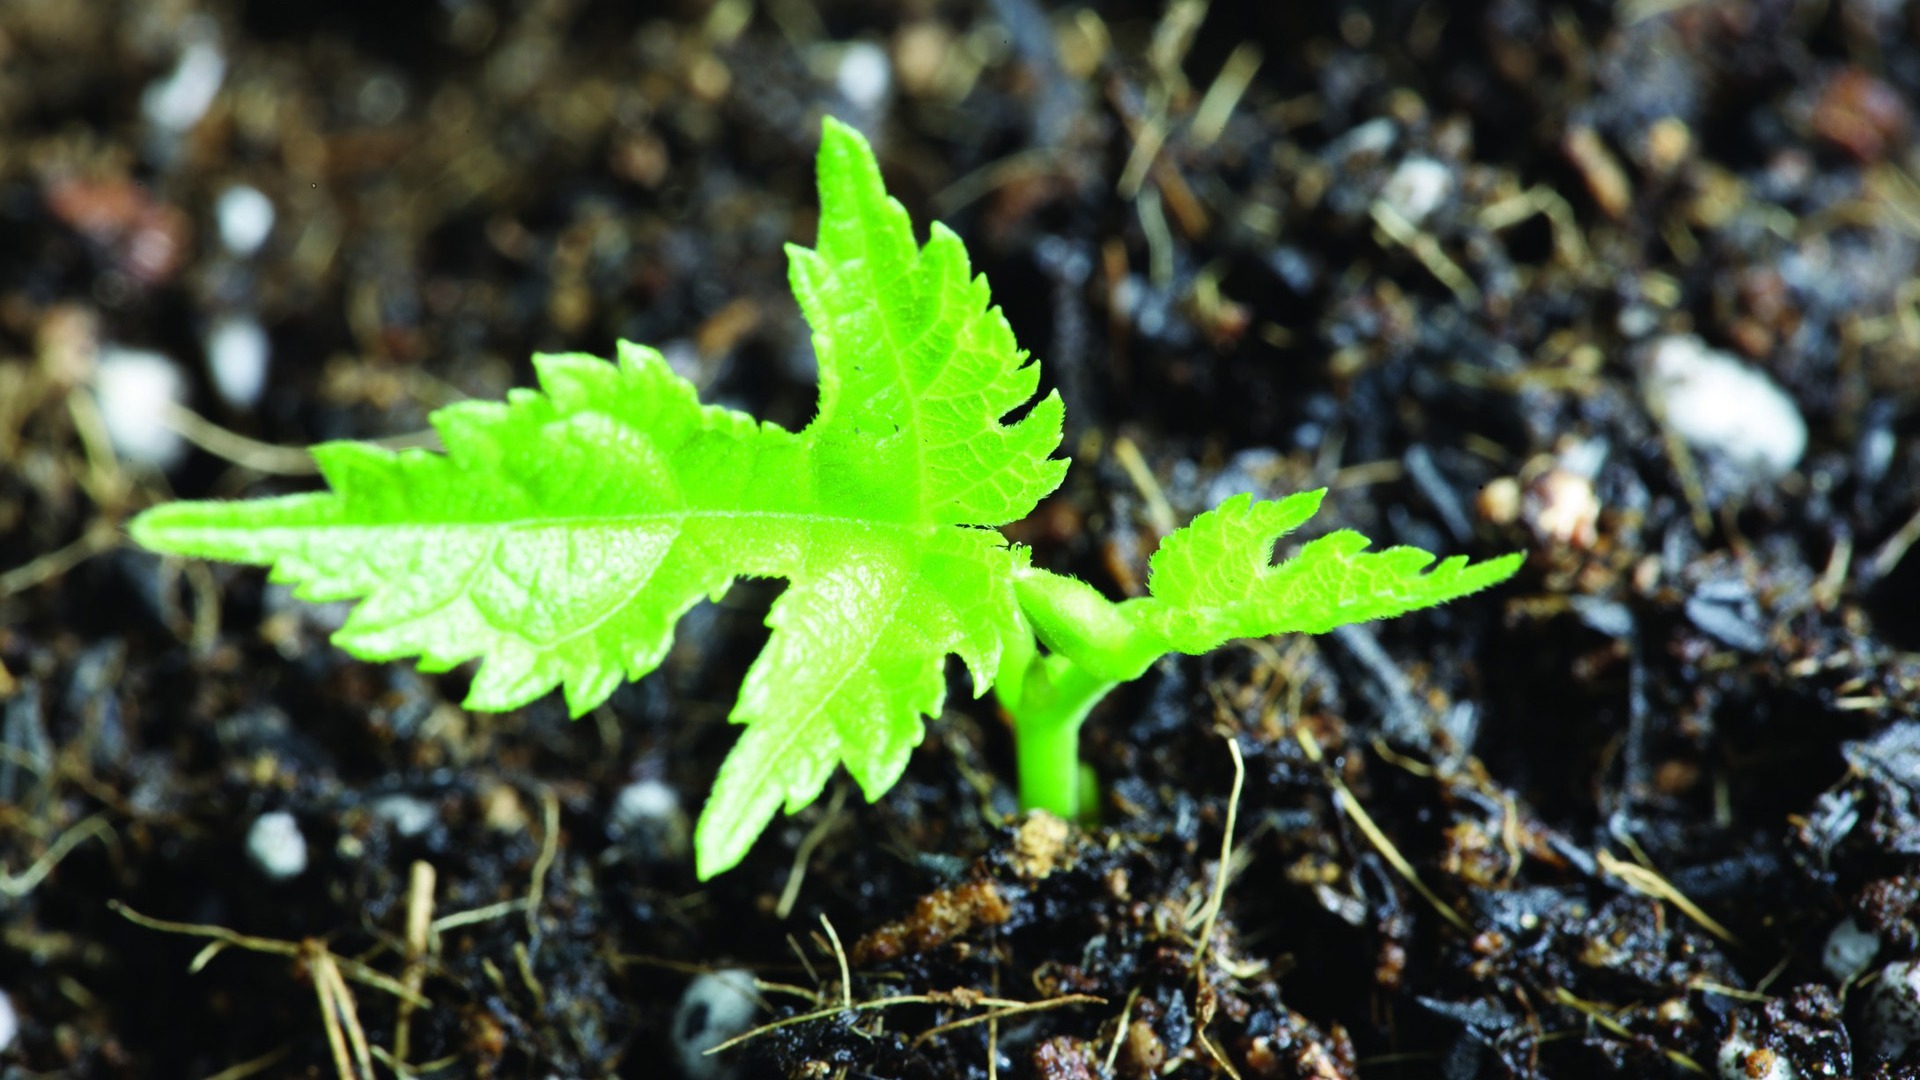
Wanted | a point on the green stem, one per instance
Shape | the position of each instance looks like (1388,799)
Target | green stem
(1093,645)
(1056,699)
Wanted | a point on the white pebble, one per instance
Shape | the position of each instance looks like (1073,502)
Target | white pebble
(1417,188)
(177,102)
(1740,1059)
(864,76)
(1893,1012)
(136,388)
(643,802)
(715,1007)
(1562,508)
(1720,405)
(649,812)
(9,1022)
(1371,139)
(1848,951)
(409,816)
(1636,321)
(245,218)
(237,352)
(276,845)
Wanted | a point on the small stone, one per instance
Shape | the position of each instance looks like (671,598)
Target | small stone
(178,101)
(502,810)
(237,352)
(135,389)
(645,802)
(1637,321)
(1668,143)
(1562,508)
(245,219)
(715,1007)
(1142,1052)
(1499,501)
(864,76)
(648,813)
(1721,405)
(1892,1020)
(1417,188)
(1849,950)
(276,846)
(1363,141)
(408,815)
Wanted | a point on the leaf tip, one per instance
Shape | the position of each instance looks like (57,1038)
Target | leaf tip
(1502,567)
(148,527)
(184,528)
(842,147)
(718,846)
(835,130)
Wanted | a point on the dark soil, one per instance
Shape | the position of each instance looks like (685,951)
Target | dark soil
(1652,808)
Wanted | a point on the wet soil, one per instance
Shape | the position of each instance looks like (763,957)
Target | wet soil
(1625,286)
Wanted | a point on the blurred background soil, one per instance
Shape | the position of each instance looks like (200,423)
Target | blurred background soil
(1628,286)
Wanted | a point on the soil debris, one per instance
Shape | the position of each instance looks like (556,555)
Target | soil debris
(1626,287)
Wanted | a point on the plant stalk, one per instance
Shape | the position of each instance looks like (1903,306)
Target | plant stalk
(1056,700)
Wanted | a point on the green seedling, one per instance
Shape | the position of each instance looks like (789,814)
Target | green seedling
(564,531)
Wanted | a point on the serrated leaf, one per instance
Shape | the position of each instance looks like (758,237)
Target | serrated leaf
(564,532)
(1215,579)
(916,369)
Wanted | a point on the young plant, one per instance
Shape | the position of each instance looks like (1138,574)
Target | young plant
(563,533)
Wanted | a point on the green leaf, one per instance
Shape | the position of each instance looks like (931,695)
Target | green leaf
(1215,579)
(916,369)
(564,532)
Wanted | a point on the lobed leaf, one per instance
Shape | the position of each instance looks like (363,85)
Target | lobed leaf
(1215,579)
(916,368)
(564,532)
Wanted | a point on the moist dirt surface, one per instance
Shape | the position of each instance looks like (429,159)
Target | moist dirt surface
(1628,287)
